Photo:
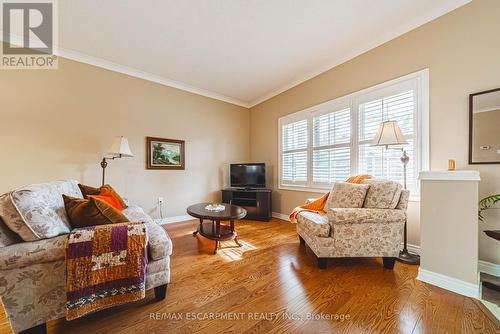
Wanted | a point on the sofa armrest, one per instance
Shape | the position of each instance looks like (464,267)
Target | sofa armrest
(159,243)
(33,252)
(315,224)
(363,215)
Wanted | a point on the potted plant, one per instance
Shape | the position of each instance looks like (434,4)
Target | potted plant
(485,204)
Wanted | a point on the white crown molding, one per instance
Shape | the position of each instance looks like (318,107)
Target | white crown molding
(109,65)
(449,283)
(99,62)
(398,31)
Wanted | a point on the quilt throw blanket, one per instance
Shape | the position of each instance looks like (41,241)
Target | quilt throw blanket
(106,266)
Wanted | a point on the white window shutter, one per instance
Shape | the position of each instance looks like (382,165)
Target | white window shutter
(379,161)
(294,153)
(331,147)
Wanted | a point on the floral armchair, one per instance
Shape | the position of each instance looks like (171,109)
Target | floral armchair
(373,228)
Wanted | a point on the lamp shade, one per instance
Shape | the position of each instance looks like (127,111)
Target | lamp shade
(389,133)
(120,148)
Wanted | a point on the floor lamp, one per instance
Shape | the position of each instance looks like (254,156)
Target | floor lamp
(118,149)
(389,134)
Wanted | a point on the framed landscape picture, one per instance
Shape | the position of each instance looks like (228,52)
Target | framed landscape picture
(164,153)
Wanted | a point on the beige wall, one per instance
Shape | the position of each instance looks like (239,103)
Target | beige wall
(57,124)
(462,54)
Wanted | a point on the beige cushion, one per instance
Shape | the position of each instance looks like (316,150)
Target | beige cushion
(347,195)
(382,194)
(41,206)
(37,211)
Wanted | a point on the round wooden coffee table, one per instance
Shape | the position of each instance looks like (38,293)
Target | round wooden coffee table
(215,230)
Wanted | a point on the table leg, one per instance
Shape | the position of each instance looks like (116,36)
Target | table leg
(216,246)
(235,238)
(238,242)
(196,232)
(217,228)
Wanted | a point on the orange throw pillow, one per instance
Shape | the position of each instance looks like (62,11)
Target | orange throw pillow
(106,191)
(115,194)
(109,197)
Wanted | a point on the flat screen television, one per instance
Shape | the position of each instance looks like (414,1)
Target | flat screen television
(251,175)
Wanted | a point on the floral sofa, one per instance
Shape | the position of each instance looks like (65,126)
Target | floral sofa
(373,228)
(33,237)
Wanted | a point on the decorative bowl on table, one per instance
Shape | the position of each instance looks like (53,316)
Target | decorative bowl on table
(215,207)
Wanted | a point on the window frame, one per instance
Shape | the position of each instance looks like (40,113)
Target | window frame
(294,150)
(419,81)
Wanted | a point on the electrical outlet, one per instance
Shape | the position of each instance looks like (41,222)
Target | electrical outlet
(160,200)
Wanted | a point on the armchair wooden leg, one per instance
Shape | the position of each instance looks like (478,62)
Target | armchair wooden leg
(302,241)
(161,292)
(322,262)
(40,329)
(389,262)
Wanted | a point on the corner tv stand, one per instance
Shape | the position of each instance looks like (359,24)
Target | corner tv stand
(257,201)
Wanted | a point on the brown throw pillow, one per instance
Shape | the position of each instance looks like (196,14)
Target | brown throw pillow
(89,191)
(91,212)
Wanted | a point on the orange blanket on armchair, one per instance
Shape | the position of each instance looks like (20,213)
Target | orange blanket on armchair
(319,204)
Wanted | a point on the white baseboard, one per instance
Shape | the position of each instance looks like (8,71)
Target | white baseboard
(494,308)
(489,268)
(175,219)
(414,249)
(449,283)
(281,216)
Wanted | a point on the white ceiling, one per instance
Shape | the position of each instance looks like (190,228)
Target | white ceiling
(239,51)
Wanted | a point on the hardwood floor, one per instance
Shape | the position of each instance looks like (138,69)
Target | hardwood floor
(272,285)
